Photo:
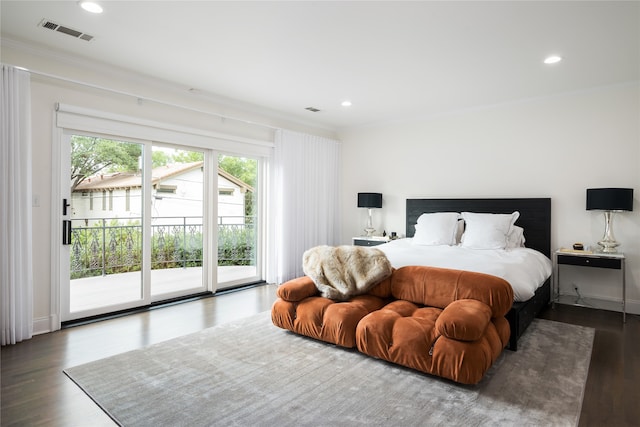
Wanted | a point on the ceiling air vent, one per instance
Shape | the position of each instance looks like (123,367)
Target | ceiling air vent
(312,109)
(45,23)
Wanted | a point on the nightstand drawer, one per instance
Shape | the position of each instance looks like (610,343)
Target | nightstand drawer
(615,263)
(367,242)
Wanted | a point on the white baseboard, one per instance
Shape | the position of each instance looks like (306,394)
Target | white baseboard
(633,307)
(43,325)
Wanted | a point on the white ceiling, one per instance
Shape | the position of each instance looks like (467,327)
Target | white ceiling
(394,60)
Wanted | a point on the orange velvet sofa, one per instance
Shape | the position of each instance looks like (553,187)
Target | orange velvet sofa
(443,322)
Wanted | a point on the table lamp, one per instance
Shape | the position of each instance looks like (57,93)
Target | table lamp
(609,200)
(369,201)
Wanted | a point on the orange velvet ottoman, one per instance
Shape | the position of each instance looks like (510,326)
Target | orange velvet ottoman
(300,309)
(443,322)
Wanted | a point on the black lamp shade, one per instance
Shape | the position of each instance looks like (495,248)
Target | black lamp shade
(369,200)
(610,199)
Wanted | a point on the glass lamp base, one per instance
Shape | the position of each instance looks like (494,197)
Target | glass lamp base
(608,247)
(608,242)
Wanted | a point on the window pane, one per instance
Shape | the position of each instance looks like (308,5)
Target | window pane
(176,220)
(106,244)
(237,220)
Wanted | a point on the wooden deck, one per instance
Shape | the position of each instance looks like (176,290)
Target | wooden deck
(92,292)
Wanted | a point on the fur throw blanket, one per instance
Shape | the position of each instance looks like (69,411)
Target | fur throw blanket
(341,272)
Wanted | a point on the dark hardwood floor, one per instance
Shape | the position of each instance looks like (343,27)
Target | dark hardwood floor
(612,393)
(35,391)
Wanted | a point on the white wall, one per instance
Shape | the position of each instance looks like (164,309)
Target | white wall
(550,147)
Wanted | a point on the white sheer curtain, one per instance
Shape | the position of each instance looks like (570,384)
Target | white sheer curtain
(305,201)
(16,275)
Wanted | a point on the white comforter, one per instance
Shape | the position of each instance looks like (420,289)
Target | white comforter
(525,269)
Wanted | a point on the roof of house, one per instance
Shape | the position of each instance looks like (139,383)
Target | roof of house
(124,180)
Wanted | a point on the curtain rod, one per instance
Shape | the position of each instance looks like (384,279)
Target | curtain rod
(144,98)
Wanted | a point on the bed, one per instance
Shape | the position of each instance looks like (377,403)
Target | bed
(530,263)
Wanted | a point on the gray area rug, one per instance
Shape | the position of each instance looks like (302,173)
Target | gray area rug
(251,373)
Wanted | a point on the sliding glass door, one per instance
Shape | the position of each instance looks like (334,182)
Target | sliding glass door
(144,222)
(238,220)
(103,225)
(119,254)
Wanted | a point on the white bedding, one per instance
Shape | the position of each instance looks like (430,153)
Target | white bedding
(525,269)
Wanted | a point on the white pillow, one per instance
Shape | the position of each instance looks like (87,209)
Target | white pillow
(435,229)
(515,239)
(487,231)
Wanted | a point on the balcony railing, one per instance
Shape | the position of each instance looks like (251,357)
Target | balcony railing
(101,246)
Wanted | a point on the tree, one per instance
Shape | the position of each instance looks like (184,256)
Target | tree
(182,156)
(240,167)
(159,158)
(92,155)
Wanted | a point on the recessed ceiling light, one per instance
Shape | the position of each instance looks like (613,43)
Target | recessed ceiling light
(90,6)
(553,59)
(346,103)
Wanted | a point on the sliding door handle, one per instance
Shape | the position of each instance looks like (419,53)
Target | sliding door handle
(66,232)
(65,205)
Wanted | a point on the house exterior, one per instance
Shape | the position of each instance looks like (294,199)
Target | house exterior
(177,193)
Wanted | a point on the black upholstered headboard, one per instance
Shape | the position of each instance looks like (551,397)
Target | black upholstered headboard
(535,215)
